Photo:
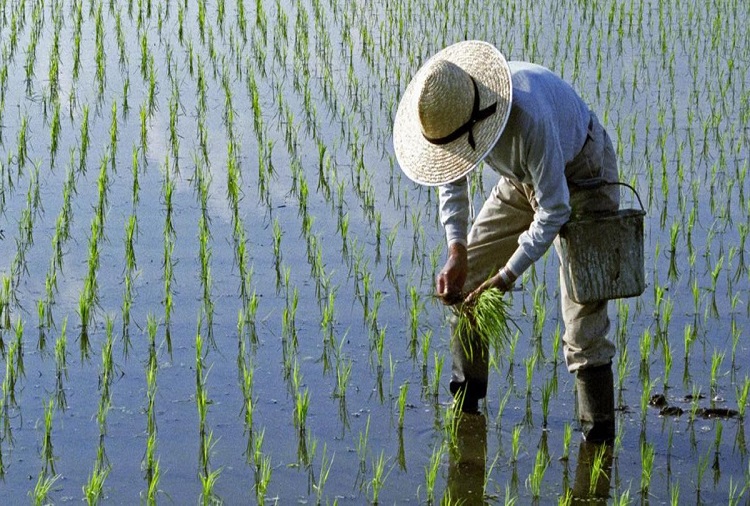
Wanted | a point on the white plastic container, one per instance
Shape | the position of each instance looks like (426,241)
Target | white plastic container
(602,256)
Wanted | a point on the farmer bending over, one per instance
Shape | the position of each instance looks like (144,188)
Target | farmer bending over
(468,105)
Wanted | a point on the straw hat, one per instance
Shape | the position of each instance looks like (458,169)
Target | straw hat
(441,132)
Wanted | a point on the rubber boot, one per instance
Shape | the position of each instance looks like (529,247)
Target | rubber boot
(596,403)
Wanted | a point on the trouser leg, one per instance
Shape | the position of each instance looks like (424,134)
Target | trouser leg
(587,325)
(492,240)
(588,351)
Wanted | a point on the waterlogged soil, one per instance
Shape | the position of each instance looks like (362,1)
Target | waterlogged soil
(283,267)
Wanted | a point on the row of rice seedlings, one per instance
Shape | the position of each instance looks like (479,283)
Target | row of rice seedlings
(61,366)
(100,57)
(234,194)
(34,35)
(47,475)
(325,470)
(84,140)
(263,469)
(121,45)
(151,463)
(14,372)
(7,298)
(203,184)
(168,262)
(301,396)
(207,475)
(328,329)
(77,36)
(88,298)
(16,25)
(432,469)
(26,222)
(93,490)
(131,264)
(246,381)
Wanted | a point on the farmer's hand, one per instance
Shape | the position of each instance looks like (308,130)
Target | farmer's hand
(503,281)
(450,281)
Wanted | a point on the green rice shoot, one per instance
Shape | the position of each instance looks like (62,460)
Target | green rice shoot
(483,321)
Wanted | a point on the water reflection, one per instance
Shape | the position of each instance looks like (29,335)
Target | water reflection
(593,474)
(467,461)
(468,467)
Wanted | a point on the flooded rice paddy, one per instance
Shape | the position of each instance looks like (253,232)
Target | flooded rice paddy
(216,285)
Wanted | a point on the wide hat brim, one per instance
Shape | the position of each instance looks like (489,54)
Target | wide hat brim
(431,164)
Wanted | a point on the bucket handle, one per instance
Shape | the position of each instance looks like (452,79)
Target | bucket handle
(595,183)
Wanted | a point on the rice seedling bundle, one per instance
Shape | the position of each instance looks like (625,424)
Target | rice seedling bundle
(485,319)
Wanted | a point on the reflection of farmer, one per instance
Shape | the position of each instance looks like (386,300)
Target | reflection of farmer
(467,105)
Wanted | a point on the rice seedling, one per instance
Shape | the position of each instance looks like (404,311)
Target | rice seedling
(343,376)
(536,478)
(55,128)
(151,463)
(667,364)
(674,495)
(84,141)
(61,367)
(647,464)
(416,308)
(208,478)
(530,364)
(41,318)
(93,490)
(42,488)
(5,304)
(515,443)
(301,408)
(48,456)
(379,475)
(289,327)
(9,400)
(151,94)
(431,471)
(403,391)
(486,319)
(716,360)
(153,483)
(598,468)
(742,397)
(567,436)
(689,337)
(547,390)
(645,349)
(263,469)
(701,467)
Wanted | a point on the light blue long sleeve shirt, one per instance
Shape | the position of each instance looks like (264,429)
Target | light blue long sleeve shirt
(546,129)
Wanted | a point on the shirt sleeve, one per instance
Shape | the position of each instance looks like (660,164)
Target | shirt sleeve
(546,166)
(454,210)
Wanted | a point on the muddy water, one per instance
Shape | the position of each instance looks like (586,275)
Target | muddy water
(669,82)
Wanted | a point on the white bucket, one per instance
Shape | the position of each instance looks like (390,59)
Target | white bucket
(602,256)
